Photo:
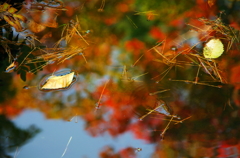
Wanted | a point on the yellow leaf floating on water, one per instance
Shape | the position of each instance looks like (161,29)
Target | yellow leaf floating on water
(58,82)
(11,67)
(213,49)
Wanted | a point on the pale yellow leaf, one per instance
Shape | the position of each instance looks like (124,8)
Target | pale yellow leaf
(213,49)
(58,82)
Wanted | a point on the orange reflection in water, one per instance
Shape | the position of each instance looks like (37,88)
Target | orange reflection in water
(128,63)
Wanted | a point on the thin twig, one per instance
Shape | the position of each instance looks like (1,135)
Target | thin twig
(66,146)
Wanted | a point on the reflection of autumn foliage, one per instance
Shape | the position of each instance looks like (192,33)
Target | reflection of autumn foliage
(121,107)
(8,13)
(235,77)
(140,132)
(157,34)
(135,45)
(23,100)
(42,15)
(108,152)
(147,61)
(203,143)
(235,80)
(120,112)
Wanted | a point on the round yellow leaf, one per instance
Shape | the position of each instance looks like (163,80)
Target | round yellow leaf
(213,49)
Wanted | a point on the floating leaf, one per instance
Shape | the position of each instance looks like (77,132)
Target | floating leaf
(35,27)
(61,80)
(11,67)
(213,49)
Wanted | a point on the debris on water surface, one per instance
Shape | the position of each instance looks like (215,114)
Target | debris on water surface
(161,108)
(26,87)
(58,81)
(11,67)
(138,149)
(213,49)
(165,109)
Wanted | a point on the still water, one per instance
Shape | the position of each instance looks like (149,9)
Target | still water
(55,134)
(120,79)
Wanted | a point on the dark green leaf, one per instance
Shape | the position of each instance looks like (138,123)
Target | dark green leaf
(25,49)
(23,75)
(25,68)
(40,47)
(16,38)
(1,31)
(10,36)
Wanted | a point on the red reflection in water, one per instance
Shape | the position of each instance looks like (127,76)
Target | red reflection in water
(159,84)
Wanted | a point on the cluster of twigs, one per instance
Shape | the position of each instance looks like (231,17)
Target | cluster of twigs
(192,57)
(63,50)
(33,57)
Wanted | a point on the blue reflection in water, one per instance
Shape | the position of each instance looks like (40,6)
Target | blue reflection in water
(53,139)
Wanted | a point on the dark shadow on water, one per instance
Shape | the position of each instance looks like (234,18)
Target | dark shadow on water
(13,137)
